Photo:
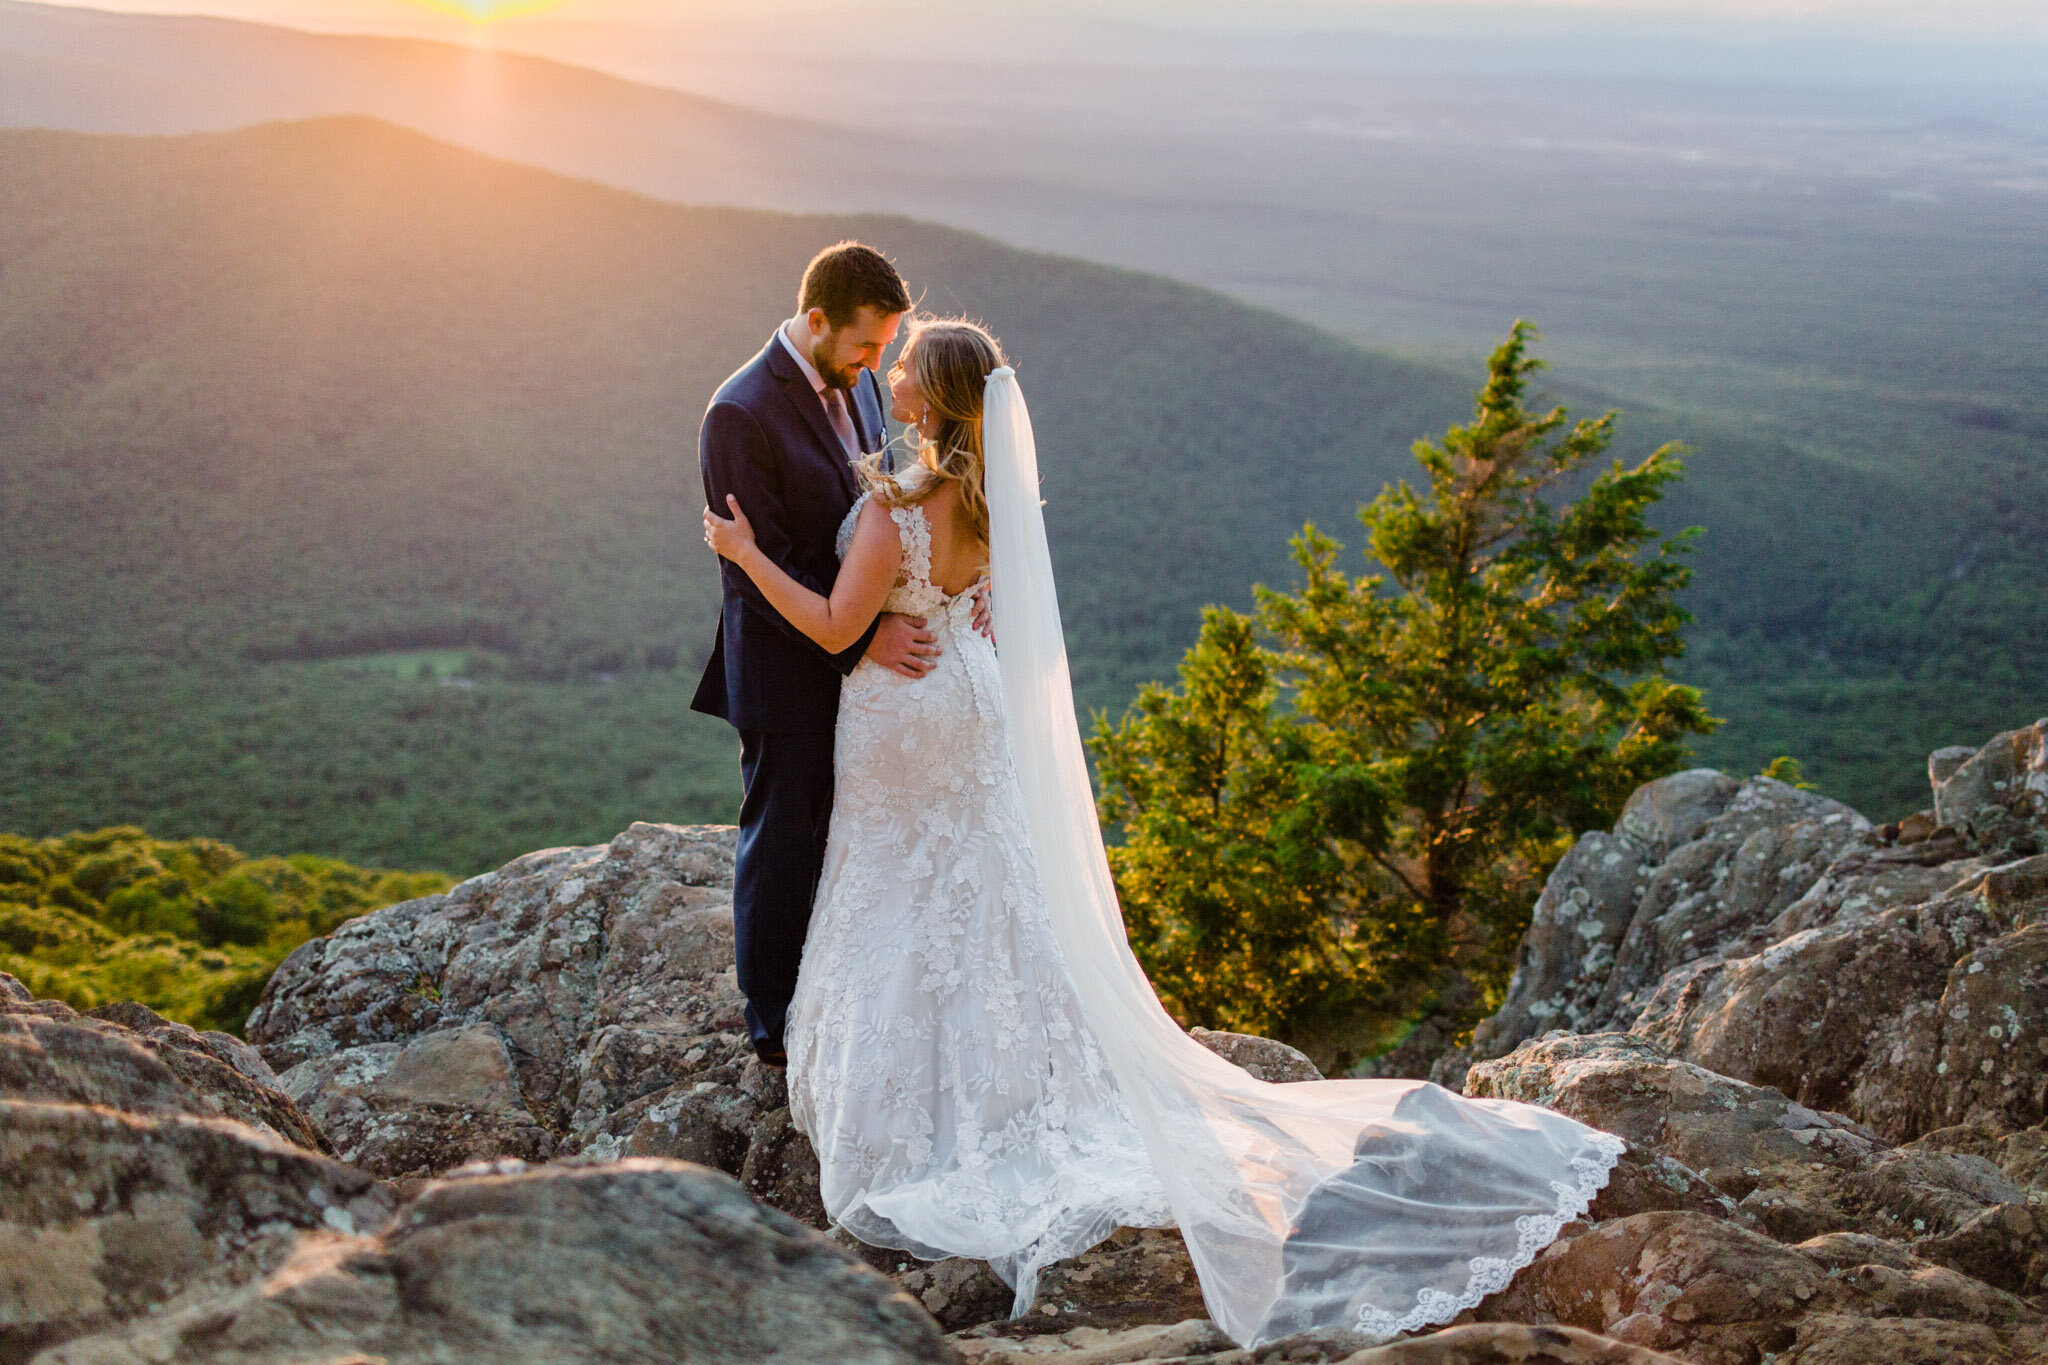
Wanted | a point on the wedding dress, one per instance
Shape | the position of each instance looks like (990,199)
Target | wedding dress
(938,1059)
(985,1071)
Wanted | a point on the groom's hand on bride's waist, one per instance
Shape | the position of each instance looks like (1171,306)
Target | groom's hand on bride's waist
(901,643)
(984,615)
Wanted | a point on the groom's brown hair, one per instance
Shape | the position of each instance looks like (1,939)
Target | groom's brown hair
(848,276)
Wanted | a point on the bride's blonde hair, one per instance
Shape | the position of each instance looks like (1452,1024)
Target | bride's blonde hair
(949,359)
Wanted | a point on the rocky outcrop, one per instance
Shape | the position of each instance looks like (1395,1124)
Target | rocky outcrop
(634,1261)
(109,1217)
(1754,1157)
(1198,1341)
(1696,866)
(1711,1291)
(1897,975)
(128,1057)
(1823,1041)
(543,1009)
(575,1002)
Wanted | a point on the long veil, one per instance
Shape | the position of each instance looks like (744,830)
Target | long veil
(1378,1206)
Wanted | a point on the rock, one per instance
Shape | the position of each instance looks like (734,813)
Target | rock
(1987,1039)
(1694,871)
(1713,893)
(1510,1344)
(2005,1246)
(1942,763)
(442,1100)
(1709,1290)
(1644,1181)
(636,1260)
(960,1293)
(2023,1155)
(128,1057)
(781,1169)
(1578,923)
(1816,1014)
(1470,1344)
(1898,976)
(1263,1057)
(528,1012)
(1661,815)
(1139,1275)
(1999,795)
(106,1216)
(1195,1339)
(1740,1138)
(1795,1172)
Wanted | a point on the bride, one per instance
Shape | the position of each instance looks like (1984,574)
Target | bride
(974,1051)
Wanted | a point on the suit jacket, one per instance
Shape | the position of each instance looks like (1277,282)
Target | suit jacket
(766,438)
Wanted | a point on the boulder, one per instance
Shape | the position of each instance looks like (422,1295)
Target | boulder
(1169,1344)
(1713,1292)
(1899,976)
(1815,1014)
(1659,816)
(1695,869)
(634,1260)
(106,1217)
(1577,925)
(1711,894)
(1265,1058)
(1510,1344)
(2022,1154)
(1999,794)
(1790,1171)
(128,1057)
(575,999)
(440,1100)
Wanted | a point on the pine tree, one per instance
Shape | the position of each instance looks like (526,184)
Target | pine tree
(1340,818)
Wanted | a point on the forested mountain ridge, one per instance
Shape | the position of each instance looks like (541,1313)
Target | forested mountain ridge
(305,427)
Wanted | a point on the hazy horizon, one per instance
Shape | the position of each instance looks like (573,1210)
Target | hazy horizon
(1797,40)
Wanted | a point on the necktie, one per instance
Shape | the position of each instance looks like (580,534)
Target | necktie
(842,421)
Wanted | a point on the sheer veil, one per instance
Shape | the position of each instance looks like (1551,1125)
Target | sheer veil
(1379,1206)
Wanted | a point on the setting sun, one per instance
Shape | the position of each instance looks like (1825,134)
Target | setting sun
(484,11)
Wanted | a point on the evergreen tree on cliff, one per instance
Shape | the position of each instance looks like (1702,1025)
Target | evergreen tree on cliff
(1338,822)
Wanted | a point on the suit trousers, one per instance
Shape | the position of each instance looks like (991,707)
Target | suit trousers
(785,817)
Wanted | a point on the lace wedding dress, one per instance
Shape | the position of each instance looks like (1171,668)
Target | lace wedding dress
(985,1071)
(938,1059)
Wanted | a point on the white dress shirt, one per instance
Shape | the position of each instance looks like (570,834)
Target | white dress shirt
(833,399)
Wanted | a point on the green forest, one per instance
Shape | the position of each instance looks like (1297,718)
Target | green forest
(193,928)
(347,485)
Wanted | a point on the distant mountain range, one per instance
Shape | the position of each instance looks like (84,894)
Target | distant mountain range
(283,408)
(86,70)
(321,392)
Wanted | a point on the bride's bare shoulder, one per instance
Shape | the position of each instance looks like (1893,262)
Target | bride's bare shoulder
(876,521)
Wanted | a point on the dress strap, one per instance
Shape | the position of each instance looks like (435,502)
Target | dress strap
(915,531)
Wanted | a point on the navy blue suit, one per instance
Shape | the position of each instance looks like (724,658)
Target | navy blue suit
(766,439)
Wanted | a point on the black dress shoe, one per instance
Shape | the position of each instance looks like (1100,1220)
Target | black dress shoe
(772,1056)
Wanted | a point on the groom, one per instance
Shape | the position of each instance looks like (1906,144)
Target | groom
(783,434)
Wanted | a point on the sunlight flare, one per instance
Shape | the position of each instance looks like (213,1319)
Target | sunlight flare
(485,11)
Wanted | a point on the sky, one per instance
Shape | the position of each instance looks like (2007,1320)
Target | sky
(735,49)
(1944,18)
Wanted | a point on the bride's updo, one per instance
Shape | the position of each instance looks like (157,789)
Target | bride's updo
(949,359)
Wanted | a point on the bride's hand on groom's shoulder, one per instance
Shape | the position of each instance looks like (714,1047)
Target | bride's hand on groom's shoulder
(901,644)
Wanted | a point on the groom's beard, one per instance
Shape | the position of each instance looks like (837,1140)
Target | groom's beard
(835,377)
